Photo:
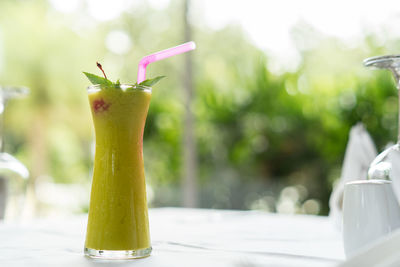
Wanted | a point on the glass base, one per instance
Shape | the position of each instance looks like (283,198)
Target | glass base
(118,254)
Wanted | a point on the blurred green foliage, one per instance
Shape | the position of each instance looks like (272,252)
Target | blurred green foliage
(256,131)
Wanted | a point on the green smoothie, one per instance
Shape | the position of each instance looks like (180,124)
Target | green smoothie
(118,217)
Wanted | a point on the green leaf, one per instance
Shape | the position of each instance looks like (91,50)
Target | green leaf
(94,79)
(151,82)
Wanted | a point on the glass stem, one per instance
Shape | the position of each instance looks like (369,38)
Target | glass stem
(398,115)
(395,71)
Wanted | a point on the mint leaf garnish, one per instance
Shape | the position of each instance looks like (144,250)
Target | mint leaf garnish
(104,82)
(151,82)
(94,79)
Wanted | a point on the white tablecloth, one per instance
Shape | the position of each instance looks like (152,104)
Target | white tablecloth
(184,237)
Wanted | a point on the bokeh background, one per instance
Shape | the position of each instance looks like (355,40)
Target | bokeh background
(257,117)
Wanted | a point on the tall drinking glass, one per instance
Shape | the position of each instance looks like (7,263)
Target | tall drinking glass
(118,226)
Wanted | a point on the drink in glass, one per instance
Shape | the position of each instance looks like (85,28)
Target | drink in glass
(118,224)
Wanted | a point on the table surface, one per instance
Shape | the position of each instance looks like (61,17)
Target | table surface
(185,237)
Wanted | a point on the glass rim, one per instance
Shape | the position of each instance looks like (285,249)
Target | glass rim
(382,62)
(16,90)
(369,181)
(123,86)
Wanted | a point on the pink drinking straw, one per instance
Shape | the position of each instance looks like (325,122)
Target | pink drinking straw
(141,76)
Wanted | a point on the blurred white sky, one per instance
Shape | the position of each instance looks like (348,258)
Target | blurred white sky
(268,23)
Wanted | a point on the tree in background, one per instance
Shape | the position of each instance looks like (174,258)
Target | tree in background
(189,179)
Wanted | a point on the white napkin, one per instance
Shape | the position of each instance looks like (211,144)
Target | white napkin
(360,152)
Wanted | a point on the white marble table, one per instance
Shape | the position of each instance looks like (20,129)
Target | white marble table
(184,237)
